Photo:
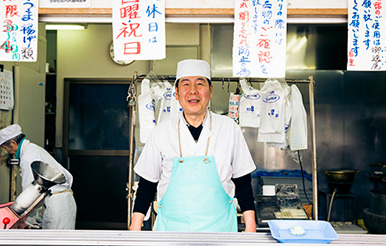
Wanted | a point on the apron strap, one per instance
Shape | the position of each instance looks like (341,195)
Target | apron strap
(59,192)
(179,135)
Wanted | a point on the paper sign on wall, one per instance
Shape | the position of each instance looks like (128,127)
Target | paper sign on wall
(259,42)
(65,3)
(139,29)
(19,30)
(366,35)
(6,90)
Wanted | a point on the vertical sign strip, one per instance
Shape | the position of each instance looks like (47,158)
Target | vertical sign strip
(366,35)
(139,29)
(259,42)
(19,32)
(6,90)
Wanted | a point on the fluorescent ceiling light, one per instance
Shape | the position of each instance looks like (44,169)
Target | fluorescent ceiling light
(65,27)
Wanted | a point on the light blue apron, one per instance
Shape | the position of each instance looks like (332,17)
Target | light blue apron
(195,199)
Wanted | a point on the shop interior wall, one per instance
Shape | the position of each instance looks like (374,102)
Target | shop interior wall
(85,54)
(350,108)
(29,115)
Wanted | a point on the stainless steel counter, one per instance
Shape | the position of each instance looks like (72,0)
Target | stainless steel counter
(103,237)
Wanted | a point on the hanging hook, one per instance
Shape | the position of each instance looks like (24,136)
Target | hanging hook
(228,84)
(223,83)
(237,92)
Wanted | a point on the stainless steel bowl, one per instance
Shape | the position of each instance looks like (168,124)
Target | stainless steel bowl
(45,175)
(341,175)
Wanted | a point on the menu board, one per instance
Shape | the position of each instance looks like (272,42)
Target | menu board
(366,35)
(6,90)
(19,30)
(139,29)
(259,42)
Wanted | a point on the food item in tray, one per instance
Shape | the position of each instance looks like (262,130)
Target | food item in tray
(297,230)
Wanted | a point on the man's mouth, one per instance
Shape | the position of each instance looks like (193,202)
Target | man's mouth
(193,100)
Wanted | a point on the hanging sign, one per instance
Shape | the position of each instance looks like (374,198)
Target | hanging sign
(259,42)
(6,90)
(65,3)
(139,29)
(366,35)
(19,30)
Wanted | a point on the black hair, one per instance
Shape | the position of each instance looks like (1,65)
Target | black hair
(209,82)
(17,139)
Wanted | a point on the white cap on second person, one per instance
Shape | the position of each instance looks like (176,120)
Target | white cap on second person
(9,132)
(192,67)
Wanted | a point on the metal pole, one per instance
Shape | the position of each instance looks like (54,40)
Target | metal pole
(13,182)
(131,99)
(313,138)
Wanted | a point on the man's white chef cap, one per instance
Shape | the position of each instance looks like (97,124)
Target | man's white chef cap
(9,132)
(191,67)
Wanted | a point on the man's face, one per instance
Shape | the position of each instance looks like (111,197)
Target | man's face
(194,94)
(11,148)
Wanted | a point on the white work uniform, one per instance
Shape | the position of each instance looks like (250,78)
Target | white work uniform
(227,145)
(60,207)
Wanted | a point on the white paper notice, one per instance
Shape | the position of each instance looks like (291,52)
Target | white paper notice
(19,30)
(65,3)
(366,35)
(139,29)
(259,42)
(6,90)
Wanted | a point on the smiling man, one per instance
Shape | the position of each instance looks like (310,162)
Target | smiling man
(196,164)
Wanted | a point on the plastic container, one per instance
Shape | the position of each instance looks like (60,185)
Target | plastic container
(320,232)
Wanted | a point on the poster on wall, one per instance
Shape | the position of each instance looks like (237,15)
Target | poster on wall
(6,90)
(139,30)
(19,30)
(65,3)
(259,41)
(366,35)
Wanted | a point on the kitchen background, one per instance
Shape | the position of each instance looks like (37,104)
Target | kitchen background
(85,93)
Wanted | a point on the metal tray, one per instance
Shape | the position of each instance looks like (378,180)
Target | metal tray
(316,231)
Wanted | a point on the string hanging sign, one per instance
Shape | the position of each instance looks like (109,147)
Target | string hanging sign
(19,32)
(366,35)
(259,42)
(139,29)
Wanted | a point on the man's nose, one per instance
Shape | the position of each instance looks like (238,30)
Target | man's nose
(193,89)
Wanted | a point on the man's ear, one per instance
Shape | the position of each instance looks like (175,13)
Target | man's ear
(176,91)
(13,144)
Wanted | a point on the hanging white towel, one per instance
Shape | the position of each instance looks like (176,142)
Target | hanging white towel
(250,106)
(146,111)
(166,102)
(298,129)
(176,108)
(287,119)
(234,102)
(272,112)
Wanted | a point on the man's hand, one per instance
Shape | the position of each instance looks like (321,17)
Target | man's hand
(250,221)
(136,221)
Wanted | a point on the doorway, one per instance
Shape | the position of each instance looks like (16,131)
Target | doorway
(96,148)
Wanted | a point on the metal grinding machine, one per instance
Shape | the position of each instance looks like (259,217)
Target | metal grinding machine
(14,214)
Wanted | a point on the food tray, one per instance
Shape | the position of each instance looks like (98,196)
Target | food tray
(316,231)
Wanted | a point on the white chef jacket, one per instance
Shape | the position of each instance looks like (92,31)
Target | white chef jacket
(60,208)
(273,112)
(227,145)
